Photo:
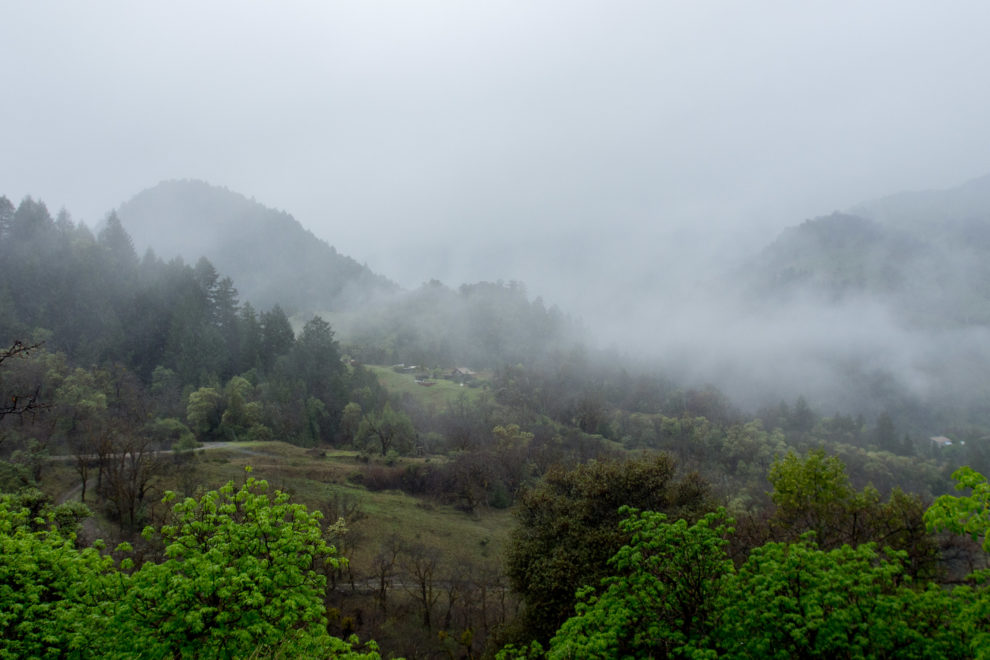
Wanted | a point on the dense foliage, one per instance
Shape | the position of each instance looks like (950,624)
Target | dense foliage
(180,329)
(661,600)
(239,577)
(567,528)
(673,592)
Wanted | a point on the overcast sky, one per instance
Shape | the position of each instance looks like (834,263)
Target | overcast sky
(557,142)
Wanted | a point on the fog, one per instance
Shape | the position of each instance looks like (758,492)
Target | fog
(612,156)
(851,357)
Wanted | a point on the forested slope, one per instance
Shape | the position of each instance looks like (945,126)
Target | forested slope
(273,259)
(128,365)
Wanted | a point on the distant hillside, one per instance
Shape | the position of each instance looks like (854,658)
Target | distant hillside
(269,255)
(883,308)
(928,264)
(481,325)
(921,210)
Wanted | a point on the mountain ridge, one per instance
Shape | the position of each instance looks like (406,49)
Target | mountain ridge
(924,255)
(914,210)
(271,256)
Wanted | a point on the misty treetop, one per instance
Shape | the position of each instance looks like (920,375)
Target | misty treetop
(906,295)
(208,359)
(99,302)
(481,325)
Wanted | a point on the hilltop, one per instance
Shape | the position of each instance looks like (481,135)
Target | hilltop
(924,256)
(268,253)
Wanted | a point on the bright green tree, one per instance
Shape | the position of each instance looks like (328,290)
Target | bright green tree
(969,514)
(44,585)
(204,411)
(794,600)
(663,598)
(241,576)
(673,594)
(814,494)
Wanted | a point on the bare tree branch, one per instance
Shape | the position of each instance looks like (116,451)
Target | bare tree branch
(18,404)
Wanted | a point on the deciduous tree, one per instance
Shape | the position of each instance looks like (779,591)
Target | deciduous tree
(663,598)
(240,578)
(387,430)
(568,527)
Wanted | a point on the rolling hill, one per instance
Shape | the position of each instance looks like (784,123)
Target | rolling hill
(924,256)
(269,255)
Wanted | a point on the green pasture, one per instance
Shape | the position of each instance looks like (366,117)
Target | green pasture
(325,480)
(436,396)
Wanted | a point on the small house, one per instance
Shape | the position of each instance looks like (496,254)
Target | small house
(941,441)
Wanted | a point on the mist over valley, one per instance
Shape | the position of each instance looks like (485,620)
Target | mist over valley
(877,309)
(495,330)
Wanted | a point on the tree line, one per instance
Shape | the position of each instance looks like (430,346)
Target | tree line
(830,572)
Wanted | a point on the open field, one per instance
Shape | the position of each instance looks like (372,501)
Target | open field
(434,397)
(325,480)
